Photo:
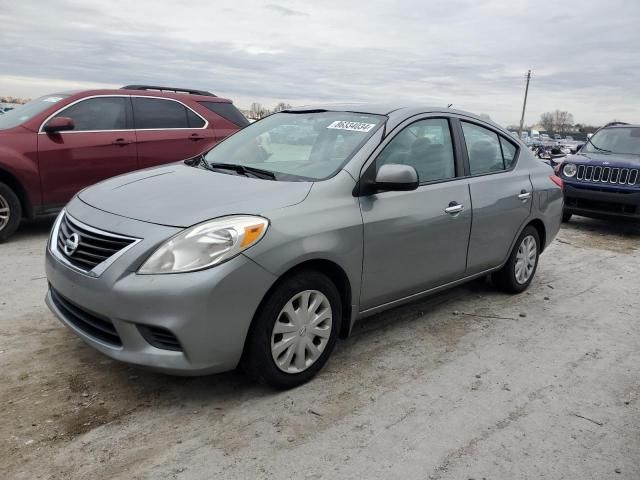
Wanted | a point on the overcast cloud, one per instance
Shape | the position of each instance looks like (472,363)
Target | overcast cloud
(474,54)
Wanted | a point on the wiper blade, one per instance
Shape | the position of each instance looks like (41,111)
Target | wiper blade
(257,172)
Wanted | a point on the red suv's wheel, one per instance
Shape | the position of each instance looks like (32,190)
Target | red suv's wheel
(10,212)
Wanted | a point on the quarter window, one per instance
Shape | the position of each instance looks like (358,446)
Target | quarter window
(508,152)
(158,113)
(101,113)
(426,146)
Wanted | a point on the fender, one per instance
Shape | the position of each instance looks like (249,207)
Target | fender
(20,170)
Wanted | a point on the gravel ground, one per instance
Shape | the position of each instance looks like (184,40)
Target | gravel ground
(468,384)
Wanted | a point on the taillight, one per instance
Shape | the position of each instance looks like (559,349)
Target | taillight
(557,180)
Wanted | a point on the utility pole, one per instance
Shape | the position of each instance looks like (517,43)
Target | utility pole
(524,105)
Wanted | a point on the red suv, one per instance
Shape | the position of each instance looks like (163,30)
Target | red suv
(52,147)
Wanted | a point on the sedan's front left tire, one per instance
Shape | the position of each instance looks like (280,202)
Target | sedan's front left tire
(294,331)
(518,272)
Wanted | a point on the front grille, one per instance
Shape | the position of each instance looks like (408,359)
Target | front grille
(607,175)
(86,247)
(93,325)
(160,338)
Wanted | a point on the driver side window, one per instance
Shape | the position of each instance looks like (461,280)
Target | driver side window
(425,145)
(100,113)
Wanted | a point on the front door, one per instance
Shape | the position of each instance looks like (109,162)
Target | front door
(100,146)
(417,240)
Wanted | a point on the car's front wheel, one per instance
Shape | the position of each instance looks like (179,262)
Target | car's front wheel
(518,272)
(566,216)
(294,331)
(10,212)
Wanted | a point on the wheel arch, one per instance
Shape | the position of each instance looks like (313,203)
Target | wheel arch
(335,273)
(12,181)
(542,231)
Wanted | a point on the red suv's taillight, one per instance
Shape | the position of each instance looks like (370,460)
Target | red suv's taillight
(557,180)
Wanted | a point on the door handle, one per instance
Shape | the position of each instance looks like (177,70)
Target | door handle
(454,208)
(121,142)
(195,137)
(524,195)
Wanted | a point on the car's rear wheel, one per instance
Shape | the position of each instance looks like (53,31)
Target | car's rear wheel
(10,212)
(566,216)
(518,272)
(294,331)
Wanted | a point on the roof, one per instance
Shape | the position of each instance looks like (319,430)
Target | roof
(622,125)
(397,112)
(145,93)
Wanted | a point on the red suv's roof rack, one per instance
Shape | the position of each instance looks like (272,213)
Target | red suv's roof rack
(168,89)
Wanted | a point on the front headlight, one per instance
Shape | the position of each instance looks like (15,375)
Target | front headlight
(206,244)
(569,170)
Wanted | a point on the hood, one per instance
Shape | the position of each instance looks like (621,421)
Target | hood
(177,195)
(605,159)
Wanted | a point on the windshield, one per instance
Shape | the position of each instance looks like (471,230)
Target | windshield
(615,140)
(25,112)
(297,146)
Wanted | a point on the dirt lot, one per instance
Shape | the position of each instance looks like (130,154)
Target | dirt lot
(468,384)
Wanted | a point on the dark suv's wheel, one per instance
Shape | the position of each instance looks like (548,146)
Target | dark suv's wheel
(10,212)
(518,272)
(294,331)
(566,216)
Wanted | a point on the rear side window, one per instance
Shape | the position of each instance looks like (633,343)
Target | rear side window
(486,149)
(194,120)
(158,113)
(101,113)
(227,111)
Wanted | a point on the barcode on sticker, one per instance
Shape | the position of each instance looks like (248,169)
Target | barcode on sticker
(353,126)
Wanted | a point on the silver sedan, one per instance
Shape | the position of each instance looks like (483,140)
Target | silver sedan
(262,254)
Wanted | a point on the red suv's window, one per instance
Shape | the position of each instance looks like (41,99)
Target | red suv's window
(227,111)
(102,113)
(158,113)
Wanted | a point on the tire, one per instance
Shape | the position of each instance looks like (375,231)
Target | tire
(10,212)
(566,216)
(506,278)
(264,343)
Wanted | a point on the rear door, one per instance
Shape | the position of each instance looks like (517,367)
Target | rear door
(101,145)
(501,194)
(417,240)
(168,131)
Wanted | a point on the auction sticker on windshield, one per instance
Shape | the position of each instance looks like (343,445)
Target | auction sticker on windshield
(353,126)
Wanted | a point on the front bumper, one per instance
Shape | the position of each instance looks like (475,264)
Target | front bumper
(208,312)
(599,203)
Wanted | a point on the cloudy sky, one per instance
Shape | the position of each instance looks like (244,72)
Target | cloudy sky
(472,53)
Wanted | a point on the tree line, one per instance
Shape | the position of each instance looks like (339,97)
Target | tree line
(257,110)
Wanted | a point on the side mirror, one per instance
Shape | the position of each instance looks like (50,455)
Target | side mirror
(59,124)
(396,177)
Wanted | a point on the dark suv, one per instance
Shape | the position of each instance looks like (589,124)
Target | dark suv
(52,147)
(602,179)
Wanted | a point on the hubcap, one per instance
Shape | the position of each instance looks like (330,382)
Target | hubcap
(301,331)
(5,213)
(526,259)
